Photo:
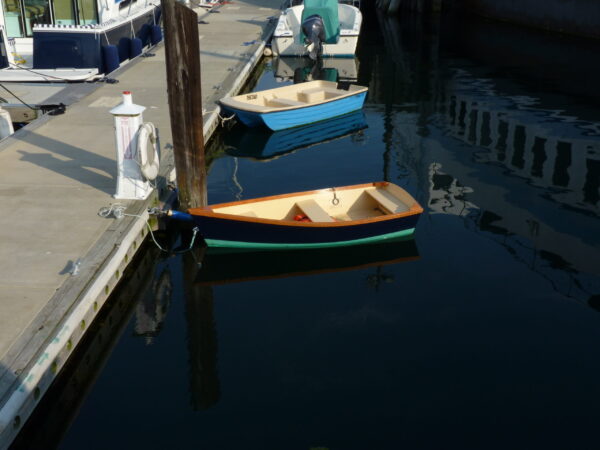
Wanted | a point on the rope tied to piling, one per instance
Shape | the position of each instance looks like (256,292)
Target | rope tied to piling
(222,119)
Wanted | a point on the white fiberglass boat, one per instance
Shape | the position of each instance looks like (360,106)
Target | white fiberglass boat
(73,40)
(318,28)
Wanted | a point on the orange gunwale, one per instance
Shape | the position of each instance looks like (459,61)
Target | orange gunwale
(207,211)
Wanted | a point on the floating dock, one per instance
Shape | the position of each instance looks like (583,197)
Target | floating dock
(59,260)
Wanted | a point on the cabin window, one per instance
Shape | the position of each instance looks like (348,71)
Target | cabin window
(20,16)
(13,19)
(36,12)
(126,3)
(64,13)
(87,11)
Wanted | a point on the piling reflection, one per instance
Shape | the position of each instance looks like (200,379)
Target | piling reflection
(204,383)
(264,145)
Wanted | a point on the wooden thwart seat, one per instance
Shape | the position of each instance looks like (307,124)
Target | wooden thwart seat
(314,212)
(285,102)
(317,94)
(387,201)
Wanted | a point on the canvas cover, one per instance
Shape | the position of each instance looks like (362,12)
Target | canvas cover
(328,10)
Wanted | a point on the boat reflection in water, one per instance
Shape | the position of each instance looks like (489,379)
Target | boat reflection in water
(300,70)
(261,144)
(219,267)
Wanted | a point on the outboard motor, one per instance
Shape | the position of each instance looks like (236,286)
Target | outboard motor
(314,30)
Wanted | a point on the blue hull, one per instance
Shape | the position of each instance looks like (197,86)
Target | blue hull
(290,118)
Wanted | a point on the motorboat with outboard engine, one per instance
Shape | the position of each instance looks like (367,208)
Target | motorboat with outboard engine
(318,28)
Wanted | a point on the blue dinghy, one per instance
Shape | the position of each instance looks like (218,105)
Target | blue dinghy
(295,105)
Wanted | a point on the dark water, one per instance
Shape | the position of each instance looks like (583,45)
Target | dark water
(483,333)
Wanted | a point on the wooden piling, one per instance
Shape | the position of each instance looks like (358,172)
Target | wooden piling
(182,49)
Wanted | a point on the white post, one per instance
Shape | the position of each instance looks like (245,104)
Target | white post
(6,126)
(131,184)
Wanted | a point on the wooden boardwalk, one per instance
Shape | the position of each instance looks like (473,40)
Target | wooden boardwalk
(54,177)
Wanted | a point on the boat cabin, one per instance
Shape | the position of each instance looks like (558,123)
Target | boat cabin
(53,34)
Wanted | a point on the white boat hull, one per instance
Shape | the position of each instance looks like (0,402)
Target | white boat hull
(47,75)
(288,41)
(287,46)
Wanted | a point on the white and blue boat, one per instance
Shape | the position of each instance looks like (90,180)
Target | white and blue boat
(318,28)
(295,105)
(73,40)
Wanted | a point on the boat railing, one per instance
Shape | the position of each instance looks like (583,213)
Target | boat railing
(289,3)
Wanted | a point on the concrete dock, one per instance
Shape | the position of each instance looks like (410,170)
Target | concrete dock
(59,260)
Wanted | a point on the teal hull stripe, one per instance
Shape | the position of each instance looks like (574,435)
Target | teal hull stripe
(270,246)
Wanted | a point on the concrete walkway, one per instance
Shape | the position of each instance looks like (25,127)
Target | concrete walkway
(57,174)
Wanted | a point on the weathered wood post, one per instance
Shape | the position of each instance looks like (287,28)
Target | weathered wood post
(182,48)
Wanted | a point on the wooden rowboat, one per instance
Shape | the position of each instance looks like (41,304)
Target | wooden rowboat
(297,104)
(332,217)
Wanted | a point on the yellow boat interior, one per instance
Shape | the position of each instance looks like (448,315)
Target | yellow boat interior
(292,96)
(328,205)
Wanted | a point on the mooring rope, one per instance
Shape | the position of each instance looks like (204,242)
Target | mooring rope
(117,210)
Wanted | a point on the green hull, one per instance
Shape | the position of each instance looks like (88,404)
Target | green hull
(240,245)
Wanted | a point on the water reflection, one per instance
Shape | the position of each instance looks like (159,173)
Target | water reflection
(202,343)
(547,148)
(219,268)
(525,175)
(152,308)
(51,419)
(300,70)
(529,241)
(264,145)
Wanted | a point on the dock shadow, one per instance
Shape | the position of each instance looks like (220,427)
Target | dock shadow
(82,165)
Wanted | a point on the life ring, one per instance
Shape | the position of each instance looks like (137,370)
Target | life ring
(147,150)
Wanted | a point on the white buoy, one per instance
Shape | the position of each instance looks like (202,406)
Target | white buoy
(6,126)
(131,183)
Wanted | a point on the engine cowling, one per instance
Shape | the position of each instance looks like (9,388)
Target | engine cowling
(314,32)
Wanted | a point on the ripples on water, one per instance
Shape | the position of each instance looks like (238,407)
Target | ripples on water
(482,333)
